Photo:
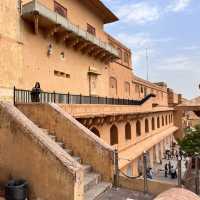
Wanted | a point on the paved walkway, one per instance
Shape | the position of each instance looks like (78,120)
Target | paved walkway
(159,172)
(125,194)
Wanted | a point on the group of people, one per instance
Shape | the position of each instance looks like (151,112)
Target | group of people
(170,170)
(172,154)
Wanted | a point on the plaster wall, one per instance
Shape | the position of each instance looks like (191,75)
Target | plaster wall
(85,144)
(26,153)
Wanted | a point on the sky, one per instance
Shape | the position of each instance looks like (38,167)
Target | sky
(169,31)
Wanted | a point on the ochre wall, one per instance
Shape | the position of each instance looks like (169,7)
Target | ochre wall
(11,61)
(84,144)
(24,59)
(26,153)
(154,187)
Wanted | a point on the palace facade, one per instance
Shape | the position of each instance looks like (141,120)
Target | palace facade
(63,45)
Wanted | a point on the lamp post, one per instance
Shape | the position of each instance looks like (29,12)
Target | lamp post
(145,171)
(116,169)
(197,174)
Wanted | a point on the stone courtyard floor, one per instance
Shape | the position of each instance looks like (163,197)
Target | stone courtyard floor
(125,194)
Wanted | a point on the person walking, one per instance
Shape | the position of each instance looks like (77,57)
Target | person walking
(169,167)
(166,169)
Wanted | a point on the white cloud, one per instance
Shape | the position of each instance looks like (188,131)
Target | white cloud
(178,5)
(140,40)
(139,13)
(181,63)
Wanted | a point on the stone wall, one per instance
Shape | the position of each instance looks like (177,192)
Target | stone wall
(83,110)
(75,136)
(154,187)
(25,152)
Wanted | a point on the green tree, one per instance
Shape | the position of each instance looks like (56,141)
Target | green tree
(191,142)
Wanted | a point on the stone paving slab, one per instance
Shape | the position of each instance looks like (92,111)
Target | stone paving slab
(125,194)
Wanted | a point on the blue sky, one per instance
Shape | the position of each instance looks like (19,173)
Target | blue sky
(170,30)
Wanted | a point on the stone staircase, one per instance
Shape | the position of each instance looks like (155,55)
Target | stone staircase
(93,185)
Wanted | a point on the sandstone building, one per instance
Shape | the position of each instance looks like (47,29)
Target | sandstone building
(62,44)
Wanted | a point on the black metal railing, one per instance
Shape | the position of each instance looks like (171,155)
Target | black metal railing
(24,96)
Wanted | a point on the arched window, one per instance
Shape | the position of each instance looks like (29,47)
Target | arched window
(166,120)
(158,122)
(138,128)
(95,131)
(113,135)
(146,126)
(163,121)
(153,123)
(169,119)
(113,86)
(128,131)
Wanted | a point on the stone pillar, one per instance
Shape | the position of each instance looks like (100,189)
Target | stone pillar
(151,157)
(178,122)
(157,153)
(162,149)
(135,167)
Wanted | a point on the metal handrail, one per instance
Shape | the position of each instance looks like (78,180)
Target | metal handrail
(25,96)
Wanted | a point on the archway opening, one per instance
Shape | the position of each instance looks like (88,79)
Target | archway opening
(138,128)
(128,131)
(158,122)
(146,126)
(113,135)
(153,123)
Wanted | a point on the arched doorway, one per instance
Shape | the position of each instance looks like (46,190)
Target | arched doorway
(113,135)
(138,128)
(128,131)
(146,126)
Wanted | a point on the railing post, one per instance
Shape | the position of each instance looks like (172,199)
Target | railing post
(145,172)
(116,168)
(68,97)
(179,172)
(197,175)
(98,99)
(80,99)
(54,97)
(14,90)
(90,99)
(106,100)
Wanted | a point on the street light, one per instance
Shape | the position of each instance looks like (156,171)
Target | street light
(145,171)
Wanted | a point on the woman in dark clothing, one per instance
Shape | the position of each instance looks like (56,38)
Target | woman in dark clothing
(166,169)
(35,93)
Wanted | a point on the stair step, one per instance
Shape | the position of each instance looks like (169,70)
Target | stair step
(53,137)
(97,190)
(61,144)
(87,168)
(69,151)
(78,159)
(90,180)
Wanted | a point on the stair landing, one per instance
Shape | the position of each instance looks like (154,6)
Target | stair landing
(124,194)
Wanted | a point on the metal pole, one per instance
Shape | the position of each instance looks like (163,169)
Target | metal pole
(145,172)
(179,172)
(68,95)
(14,95)
(116,172)
(54,97)
(197,175)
